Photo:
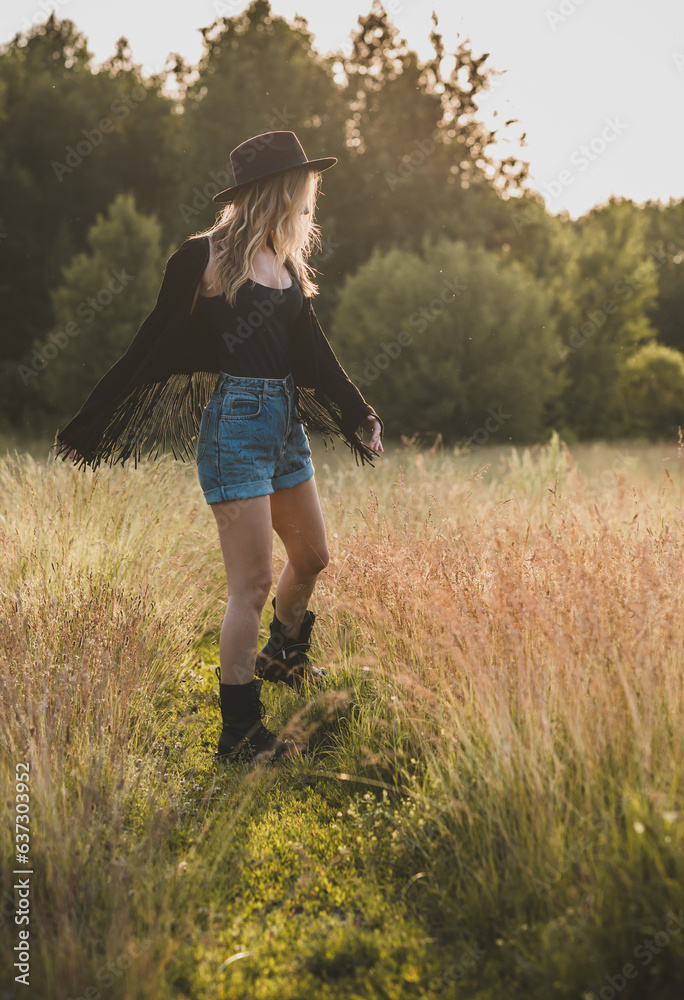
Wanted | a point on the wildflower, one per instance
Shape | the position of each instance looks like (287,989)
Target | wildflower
(639,827)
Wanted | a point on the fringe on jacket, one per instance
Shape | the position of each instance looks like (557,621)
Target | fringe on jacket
(165,416)
(143,407)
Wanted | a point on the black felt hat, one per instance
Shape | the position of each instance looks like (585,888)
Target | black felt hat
(265,155)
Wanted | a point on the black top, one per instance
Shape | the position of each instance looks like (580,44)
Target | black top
(152,399)
(253,336)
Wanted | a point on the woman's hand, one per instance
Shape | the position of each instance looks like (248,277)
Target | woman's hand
(71,453)
(372,424)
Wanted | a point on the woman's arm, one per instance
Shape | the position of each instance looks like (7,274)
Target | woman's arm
(148,360)
(339,387)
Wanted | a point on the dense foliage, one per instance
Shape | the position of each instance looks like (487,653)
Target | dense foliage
(108,168)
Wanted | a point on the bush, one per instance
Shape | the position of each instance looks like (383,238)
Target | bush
(452,341)
(652,385)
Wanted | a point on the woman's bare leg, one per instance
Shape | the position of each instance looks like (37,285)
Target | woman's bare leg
(297,518)
(246,536)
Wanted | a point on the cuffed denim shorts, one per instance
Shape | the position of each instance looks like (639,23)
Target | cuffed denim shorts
(251,439)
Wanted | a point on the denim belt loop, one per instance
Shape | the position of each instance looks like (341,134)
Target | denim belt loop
(264,386)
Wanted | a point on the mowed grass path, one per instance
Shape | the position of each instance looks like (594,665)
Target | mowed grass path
(492,806)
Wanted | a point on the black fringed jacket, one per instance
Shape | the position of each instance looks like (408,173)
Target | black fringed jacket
(153,397)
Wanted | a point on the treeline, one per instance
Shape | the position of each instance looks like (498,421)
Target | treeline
(457,304)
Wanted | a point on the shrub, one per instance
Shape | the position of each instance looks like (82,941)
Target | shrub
(452,341)
(652,384)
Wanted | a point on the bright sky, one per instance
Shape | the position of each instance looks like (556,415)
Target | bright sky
(597,85)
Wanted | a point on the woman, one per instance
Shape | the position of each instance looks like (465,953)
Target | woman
(236,301)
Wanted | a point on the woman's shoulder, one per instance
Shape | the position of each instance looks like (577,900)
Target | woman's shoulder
(191,256)
(194,245)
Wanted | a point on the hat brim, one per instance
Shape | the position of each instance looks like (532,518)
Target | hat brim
(323,163)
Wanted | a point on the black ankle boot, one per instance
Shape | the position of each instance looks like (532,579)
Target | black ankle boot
(285,659)
(243,737)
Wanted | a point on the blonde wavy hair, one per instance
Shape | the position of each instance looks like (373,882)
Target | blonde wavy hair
(272,206)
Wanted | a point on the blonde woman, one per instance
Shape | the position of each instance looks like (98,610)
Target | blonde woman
(234,340)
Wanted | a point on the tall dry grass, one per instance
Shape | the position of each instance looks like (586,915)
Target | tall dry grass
(101,599)
(519,614)
(530,614)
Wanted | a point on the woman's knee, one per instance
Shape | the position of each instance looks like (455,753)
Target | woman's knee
(312,563)
(252,590)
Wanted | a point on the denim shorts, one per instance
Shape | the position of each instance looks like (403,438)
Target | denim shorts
(251,439)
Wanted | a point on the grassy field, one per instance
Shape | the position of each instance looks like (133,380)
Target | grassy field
(492,807)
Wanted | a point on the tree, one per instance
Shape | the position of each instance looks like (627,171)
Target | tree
(601,304)
(258,73)
(71,139)
(44,81)
(652,388)
(420,161)
(451,341)
(665,238)
(104,296)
